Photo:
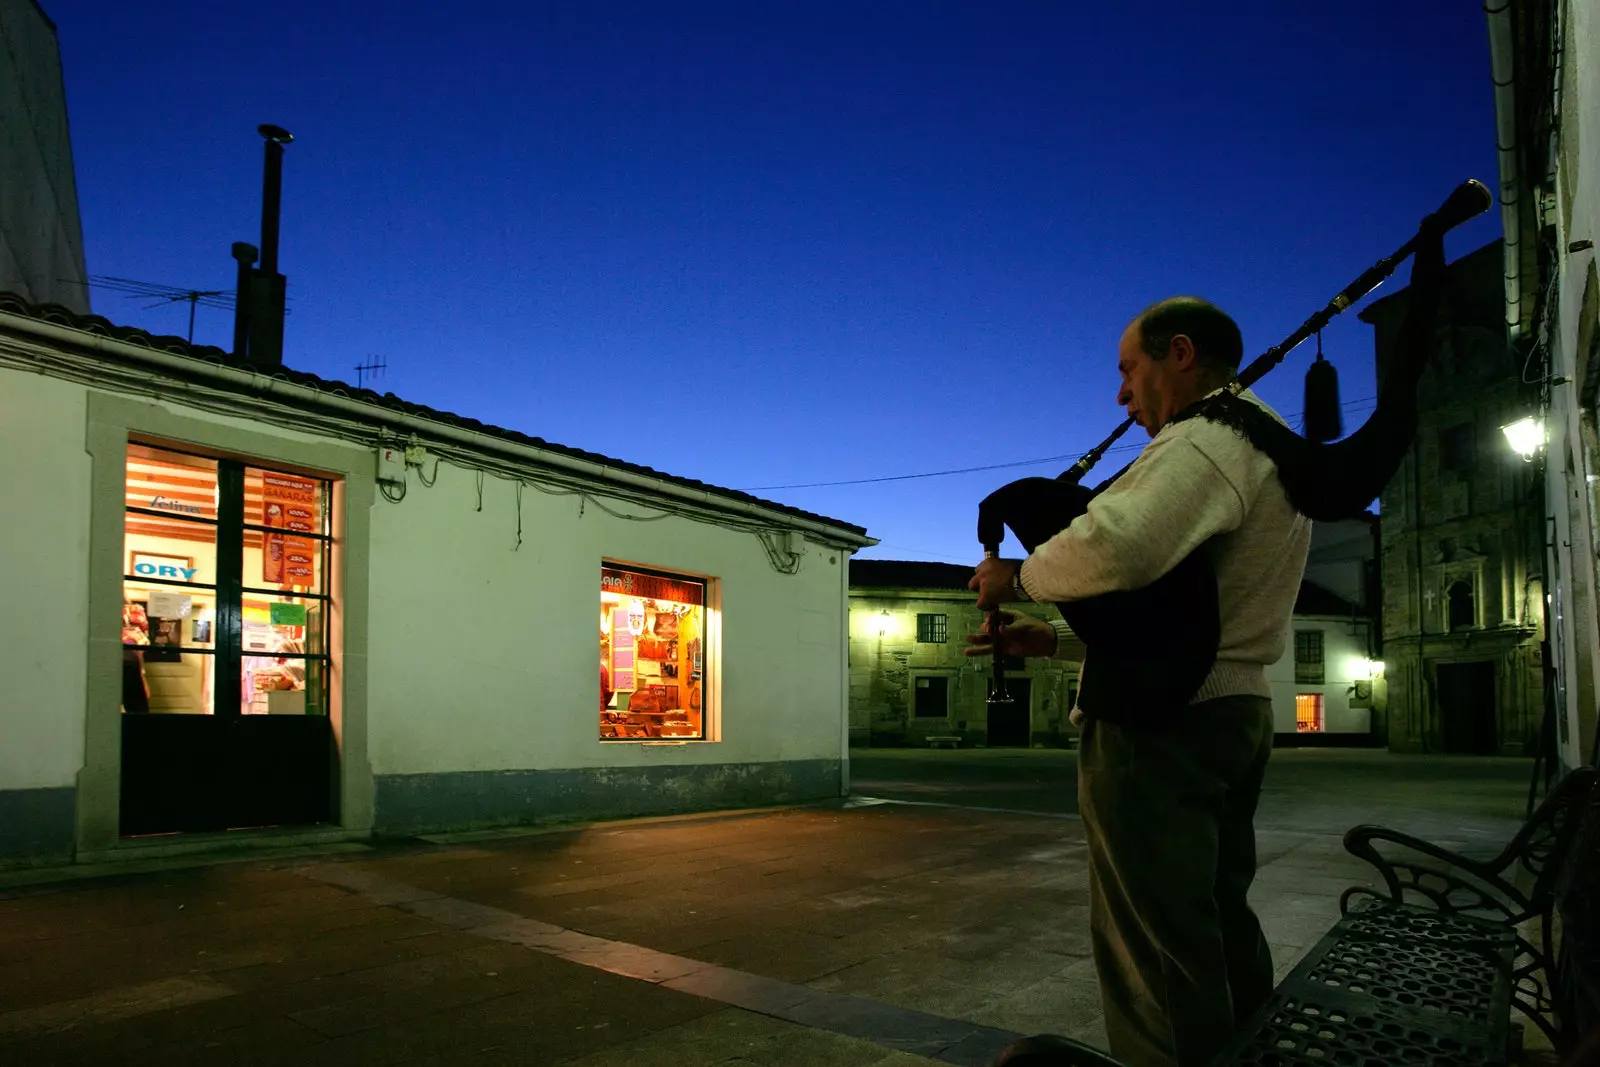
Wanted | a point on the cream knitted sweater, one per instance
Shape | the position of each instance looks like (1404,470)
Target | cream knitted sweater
(1197,483)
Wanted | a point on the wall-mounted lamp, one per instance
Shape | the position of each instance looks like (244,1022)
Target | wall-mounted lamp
(883,623)
(1366,669)
(1526,436)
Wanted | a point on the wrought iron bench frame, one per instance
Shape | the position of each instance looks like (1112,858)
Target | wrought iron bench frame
(1488,892)
(1470,907)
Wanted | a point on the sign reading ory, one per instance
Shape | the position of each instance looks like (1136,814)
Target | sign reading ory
(159,567)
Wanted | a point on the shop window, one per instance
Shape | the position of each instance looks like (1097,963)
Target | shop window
(652,655)
(933,629)
(225,602)
(1308,666)
(931,698)
(1308,713)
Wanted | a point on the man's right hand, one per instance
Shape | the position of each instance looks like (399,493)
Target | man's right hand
(1020,635)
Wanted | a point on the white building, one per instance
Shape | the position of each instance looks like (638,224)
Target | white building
(1326,685)
(41,240)
(226,612)
(1545,66)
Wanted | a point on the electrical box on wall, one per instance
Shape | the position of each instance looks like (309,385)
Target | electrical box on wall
(392,465)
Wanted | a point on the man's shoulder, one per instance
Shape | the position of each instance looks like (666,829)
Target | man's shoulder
(1219,430)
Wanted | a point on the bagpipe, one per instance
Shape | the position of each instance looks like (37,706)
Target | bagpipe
(1153,647)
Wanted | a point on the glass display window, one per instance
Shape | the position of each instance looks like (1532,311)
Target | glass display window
(225,602)
(652,655)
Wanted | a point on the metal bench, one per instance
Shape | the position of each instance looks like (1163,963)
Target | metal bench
(1426,969)
(1553,855)
(941,740)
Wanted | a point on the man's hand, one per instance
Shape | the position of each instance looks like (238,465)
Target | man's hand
(993,582)
(1020,635)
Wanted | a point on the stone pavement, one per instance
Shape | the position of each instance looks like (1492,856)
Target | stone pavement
(878,934)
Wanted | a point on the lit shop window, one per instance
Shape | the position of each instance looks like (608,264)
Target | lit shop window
(225,605)
(1308,713)
(652,655)
(284,610)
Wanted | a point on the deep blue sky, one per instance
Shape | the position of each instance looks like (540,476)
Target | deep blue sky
(768,243)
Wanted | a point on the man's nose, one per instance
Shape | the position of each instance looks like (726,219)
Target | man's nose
(1124,395)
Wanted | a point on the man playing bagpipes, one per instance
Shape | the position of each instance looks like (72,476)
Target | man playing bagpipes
(1179,575)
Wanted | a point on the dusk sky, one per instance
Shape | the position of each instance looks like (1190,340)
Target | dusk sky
(773,244)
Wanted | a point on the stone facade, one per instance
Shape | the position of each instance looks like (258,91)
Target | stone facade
(1462,591)
(907,686)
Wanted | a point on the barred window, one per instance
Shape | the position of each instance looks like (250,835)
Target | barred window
(1308,668)
(1308,713)
(933,629)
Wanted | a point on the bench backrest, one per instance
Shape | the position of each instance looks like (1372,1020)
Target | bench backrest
(1577,904)
(1543,844)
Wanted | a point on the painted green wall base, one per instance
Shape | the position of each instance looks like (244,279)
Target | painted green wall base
(38,823)
(418,803)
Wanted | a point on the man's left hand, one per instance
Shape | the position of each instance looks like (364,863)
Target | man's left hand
(993,581)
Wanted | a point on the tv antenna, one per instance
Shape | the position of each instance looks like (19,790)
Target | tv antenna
(159,295)
(375,366)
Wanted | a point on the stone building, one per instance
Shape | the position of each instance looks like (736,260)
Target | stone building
(910,683)
(909,680)
(1462,585)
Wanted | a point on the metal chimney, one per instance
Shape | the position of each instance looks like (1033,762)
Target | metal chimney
(258,321)
(246,255)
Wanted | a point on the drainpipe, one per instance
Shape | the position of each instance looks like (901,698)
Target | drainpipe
(1502,69)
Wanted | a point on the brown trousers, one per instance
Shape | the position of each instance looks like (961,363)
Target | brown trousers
(1168,816)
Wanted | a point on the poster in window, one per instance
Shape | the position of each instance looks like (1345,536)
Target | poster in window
(622,653)
(290,504)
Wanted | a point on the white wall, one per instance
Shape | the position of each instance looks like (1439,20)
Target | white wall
(1567,464)
(41,243)
(482,656)
(1344,650)
(44,581)
(485,656)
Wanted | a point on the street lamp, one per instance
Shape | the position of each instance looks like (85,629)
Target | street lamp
(883,623)
(1526,436)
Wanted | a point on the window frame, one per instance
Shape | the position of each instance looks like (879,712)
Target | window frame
(1317,723)
(229,592)
(917,683)
(933,628)
(707,654)
(1309,669)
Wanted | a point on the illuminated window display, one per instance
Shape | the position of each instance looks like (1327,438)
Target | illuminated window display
(225,601)
(652,655)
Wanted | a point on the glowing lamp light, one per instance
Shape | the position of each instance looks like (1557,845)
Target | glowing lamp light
(1525,436)
(884,623)
(1365,670)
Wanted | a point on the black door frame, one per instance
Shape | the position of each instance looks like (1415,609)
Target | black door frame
(226,770)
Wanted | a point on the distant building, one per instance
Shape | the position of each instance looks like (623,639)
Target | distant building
(1462,569)
(910,682)
(41,241)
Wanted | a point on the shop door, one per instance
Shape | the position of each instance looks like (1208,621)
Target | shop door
(1010,725)
(225,646)
(1466,695)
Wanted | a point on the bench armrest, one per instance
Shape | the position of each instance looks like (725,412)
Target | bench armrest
(1452,883)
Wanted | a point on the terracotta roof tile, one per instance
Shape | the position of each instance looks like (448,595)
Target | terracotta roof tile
(55,314)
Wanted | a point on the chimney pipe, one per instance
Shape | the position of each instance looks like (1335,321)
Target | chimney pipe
(271,193)
(246,255)
(267,286)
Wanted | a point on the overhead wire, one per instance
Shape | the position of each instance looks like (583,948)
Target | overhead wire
(1068,457)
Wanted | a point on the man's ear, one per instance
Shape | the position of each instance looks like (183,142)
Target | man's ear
(1183,354)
